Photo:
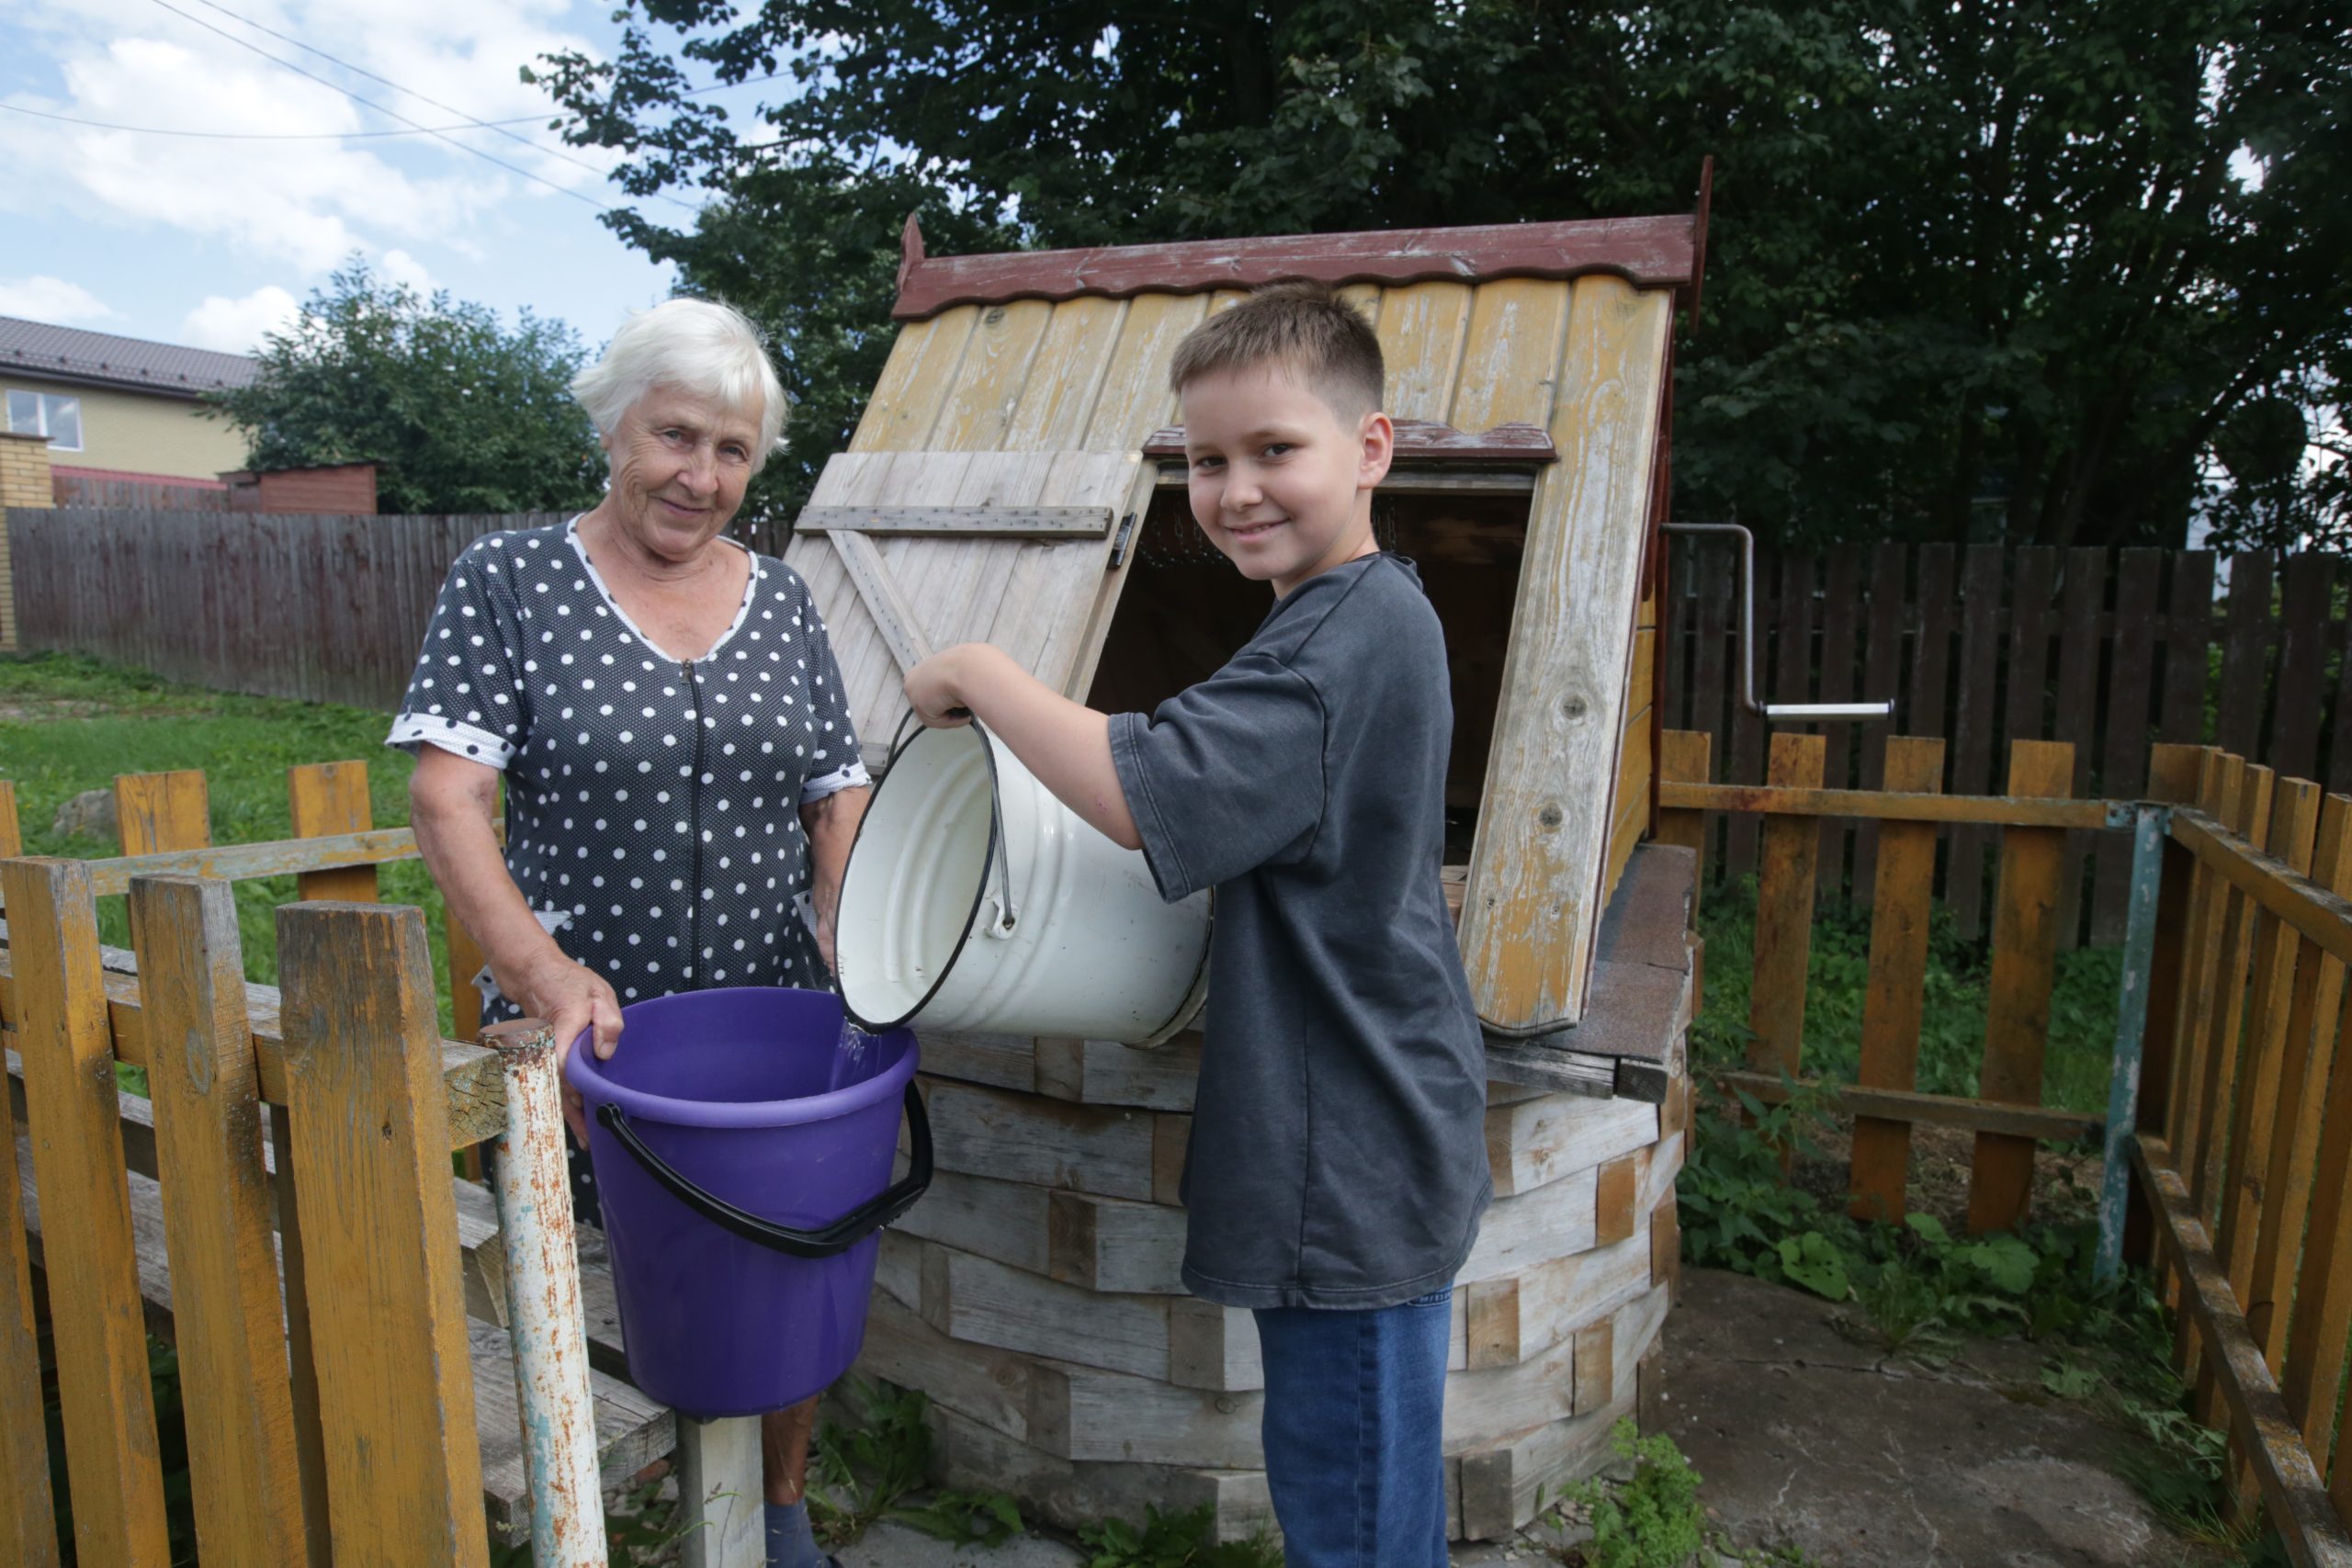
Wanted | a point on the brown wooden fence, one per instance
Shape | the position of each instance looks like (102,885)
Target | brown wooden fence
(90,487)
(2106,650)
(2241,1158)
(320,608)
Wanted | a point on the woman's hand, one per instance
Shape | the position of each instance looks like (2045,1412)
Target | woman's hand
(575,1000)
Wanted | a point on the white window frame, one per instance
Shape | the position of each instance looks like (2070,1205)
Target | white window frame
(40,419)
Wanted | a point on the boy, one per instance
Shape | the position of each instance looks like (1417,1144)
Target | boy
(1338,1165)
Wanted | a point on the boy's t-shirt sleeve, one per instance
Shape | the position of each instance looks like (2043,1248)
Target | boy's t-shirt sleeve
(1226,776)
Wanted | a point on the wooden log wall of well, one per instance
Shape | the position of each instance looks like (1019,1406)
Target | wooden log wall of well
(1034,1294)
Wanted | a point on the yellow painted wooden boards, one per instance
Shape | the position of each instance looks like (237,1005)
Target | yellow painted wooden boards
(28,1525)
(368,1117)
(2017,1008)
(1900,902)
(163,811)
(209,1135)
(330,798)
(1533,907)
(88,1251)
(12,840)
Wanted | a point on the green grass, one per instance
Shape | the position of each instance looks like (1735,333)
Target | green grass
(2076,1056)
(70,723)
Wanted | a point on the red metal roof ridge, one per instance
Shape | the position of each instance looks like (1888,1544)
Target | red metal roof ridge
(1650,253)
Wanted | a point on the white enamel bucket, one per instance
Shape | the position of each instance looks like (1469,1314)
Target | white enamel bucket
(974,900)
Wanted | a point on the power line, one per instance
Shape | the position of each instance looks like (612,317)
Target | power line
(387,113)
(340,135)
(395,86)
(254,135)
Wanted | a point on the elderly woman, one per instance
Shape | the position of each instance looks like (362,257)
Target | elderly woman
(683,784)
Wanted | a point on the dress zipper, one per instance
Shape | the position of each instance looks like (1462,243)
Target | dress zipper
(693,831)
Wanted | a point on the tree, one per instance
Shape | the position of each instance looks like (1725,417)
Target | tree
(460,414)
(2033,272)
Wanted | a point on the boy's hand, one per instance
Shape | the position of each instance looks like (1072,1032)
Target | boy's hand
(934,687)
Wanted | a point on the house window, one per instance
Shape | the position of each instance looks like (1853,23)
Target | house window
(47,414)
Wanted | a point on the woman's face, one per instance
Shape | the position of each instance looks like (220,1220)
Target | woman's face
(679,464)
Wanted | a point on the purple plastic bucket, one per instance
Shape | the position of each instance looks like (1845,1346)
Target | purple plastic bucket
(742,1141)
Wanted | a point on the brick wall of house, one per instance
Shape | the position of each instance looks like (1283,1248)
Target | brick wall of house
(24,481)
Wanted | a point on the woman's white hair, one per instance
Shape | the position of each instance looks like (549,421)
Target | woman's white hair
(695,345)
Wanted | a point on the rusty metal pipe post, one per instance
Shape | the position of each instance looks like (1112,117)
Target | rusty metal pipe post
(543,1312)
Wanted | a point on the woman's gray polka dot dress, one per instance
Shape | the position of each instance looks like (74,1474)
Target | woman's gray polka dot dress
(653,803)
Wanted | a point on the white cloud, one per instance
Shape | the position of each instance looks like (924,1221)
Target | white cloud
(50,300)
(236,326)
(304,203)
(399,267)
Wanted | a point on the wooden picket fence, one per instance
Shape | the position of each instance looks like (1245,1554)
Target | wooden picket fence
(309,1264)
(2108,650)
(2241,1154)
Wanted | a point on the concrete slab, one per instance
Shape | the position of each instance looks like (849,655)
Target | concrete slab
(1805,1439)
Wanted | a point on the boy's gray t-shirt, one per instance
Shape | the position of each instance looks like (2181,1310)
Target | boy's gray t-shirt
(1338,1154)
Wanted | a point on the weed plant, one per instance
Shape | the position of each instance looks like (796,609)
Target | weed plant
(1951,1026)
(70,723)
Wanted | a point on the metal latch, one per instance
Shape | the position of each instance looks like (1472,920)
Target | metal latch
(1793,713)
(1119,545)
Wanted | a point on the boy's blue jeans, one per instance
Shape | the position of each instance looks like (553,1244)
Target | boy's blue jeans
(1354,1427)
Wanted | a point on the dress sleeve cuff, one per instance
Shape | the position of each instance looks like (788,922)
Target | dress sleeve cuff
(411,730)
(853,776)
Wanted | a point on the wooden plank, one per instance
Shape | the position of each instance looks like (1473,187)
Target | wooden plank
(2304,1514)
(1894,1003)
(2131,726)
(1537,1142)
(2301,1098)
(1533,907)
(1890,806)
(1710,698)
(2027,1123)
(1066,376)
(961,522)
(369,1116)
(1107,1243)
(1423,329)
(2312,1377)
(892,615)
(2246,653)
(216,1200)
(1932,650)
(162,811)
(1652,254)
(1685,757)
(1045,1143)
(2306,597)
(1881,682)
(915,380)
(90,1255)
(1972,723)
(309,1428)
(2076,717)
(27,1526)
(1517,326)
(332,798)
(2026,705)
(2189,630)
(1784,915)
(2016,1003)
(1841,608)
(2240,917)
(1134,399)
(2263,1045)
(2175,776)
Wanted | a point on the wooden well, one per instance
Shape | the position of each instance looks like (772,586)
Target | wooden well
(1007,484)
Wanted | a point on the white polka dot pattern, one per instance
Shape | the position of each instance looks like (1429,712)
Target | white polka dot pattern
(657,801)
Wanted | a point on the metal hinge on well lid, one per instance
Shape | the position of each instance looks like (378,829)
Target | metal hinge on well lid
(1119,545)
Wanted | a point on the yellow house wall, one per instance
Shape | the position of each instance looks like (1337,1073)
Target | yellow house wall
(142,433)
(24,482)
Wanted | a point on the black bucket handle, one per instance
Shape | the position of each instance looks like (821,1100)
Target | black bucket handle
(826,1241)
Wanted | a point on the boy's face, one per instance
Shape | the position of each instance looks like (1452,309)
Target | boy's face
(1279,482)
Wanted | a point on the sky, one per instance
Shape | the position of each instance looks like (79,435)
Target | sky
(213,242)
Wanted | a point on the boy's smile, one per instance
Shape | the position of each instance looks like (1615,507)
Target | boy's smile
(1279,482)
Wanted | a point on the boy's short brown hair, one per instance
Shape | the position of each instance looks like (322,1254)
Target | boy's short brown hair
(1302,325)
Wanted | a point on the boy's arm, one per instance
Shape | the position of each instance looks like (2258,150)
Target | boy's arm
(1065,744)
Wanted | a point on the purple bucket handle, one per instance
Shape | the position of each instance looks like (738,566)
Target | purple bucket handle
(827,1242)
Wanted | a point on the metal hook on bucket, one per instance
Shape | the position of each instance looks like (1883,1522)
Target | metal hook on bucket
(1000,924)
